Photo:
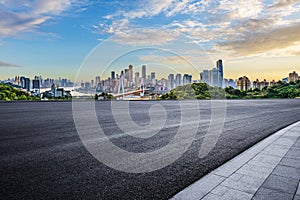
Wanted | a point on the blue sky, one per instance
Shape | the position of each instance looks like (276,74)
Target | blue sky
(258,38)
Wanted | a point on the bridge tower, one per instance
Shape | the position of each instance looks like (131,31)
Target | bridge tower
(121,85)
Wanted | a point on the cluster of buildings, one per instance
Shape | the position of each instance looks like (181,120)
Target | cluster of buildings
(244,83)
(56,92)
(215,77)
(39,82)
(131,80)
(293,77)
(135,80)
(35,85)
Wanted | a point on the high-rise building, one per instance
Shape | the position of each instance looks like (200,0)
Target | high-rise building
(126,74)
(97,80)
(293,77)
(214,77)
(220,74)
(113,75)
(256,84)
(260,84)
(36,86)
(137,78)
(144,74)
(232,83)
(27,84)
(152,76)
(178,80)
(22,82)
(205,77)
(244,83)
(17,80)
(187,79)
(130,76)
(171,81)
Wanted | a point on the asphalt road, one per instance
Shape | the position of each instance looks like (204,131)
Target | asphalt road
(42,156)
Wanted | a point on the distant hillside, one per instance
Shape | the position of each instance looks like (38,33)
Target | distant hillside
(10,93)
(204,91)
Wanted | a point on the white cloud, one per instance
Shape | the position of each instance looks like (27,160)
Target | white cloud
(271,40)
(283,3)
(242,27)
(138,37)
(26,15)
(4,64)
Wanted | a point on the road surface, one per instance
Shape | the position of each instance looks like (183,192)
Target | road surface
(42,156)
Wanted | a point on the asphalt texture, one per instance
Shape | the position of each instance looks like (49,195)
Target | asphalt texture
(42,156)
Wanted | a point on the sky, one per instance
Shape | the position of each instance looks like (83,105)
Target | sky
(79,39)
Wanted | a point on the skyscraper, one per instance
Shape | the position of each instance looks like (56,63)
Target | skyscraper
(244,83)
(171,82)
(36,85)
(97,80)
(144,75)
(178,80)
(214,77)
(27,84)
(220,70)
(137,78)
(22,81)
(113,75)
(126,74)
(293,77)
(130,76)
(205,77)
(152,75)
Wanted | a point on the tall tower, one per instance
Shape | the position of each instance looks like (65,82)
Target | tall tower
(171,82)
(178,80)
(144,75)
(113,75)
(130,73)
(220,69)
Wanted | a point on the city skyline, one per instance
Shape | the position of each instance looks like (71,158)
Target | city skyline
(256,38)
(140,72)
(129,78)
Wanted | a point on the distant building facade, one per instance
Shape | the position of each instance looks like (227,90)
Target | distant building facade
(244,84)
(293,77)
(214,77)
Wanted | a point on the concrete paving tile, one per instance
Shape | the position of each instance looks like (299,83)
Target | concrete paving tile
(276,150)
(235,177)
(255,171)
(293,133)
(267,194)
(200,188)
(295,148)
(220,190)
(290,162)
(282,184)
(213,197)
(297,143)
(293,154)
(284,141)
(237,162)
(267,159)
(296,197)
(237,195)
(286,171)
(246,184)
(262,164)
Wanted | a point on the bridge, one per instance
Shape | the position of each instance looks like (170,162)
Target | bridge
(135,92)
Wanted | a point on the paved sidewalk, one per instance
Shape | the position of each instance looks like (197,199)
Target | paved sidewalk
(268,170)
